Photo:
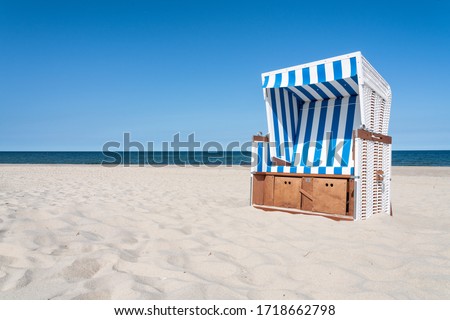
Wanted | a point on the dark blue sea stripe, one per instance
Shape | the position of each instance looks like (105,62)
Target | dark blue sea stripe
(285,124)
(332,89)
(321,93)
(337,68)
(353,70)
(346,86)
(266,81)
(320,132)
(275,121)
(291,81)
(355,78)
(291,113)
(260,158)
(299,110)
(277,80)
(307,140)
(305,73)
(321,73)
(348,131)
(334,131)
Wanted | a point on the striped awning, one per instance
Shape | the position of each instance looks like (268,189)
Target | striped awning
(320,81)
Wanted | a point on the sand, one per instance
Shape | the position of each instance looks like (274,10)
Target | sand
(90,232)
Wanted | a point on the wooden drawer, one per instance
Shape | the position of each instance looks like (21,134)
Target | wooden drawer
(287,192)
(330,195)
(262,190)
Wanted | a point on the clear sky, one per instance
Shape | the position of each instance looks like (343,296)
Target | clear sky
(75,74)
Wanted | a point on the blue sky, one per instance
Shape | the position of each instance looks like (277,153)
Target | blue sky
(75,74)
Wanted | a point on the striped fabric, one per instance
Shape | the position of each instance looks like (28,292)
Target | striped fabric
(331,71)
(262,163)
(311,112)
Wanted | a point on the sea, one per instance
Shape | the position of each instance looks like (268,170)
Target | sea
(436,158)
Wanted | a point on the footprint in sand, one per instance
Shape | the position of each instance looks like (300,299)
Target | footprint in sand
(25,280)
(81,269)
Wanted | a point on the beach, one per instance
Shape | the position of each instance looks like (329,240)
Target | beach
(93,232)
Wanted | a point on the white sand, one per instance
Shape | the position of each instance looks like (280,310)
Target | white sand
(89,232)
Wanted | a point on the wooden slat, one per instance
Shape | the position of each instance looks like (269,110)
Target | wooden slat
(258,189)
(280,162)
(260,138)
(351,198)
(307,197)
(366,135)
(306,194)
(268,190)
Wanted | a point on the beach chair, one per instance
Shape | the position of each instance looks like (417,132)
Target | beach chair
(327,151)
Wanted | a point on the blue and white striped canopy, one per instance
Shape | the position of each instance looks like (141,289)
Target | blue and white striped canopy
(312,111)
(317,82)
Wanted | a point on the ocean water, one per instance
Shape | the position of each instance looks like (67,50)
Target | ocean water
(399,158)
(433,158)
(133,158)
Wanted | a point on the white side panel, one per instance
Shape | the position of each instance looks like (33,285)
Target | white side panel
(377,96)
(373,79)
(358,181)
(387,156)
(372,195)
